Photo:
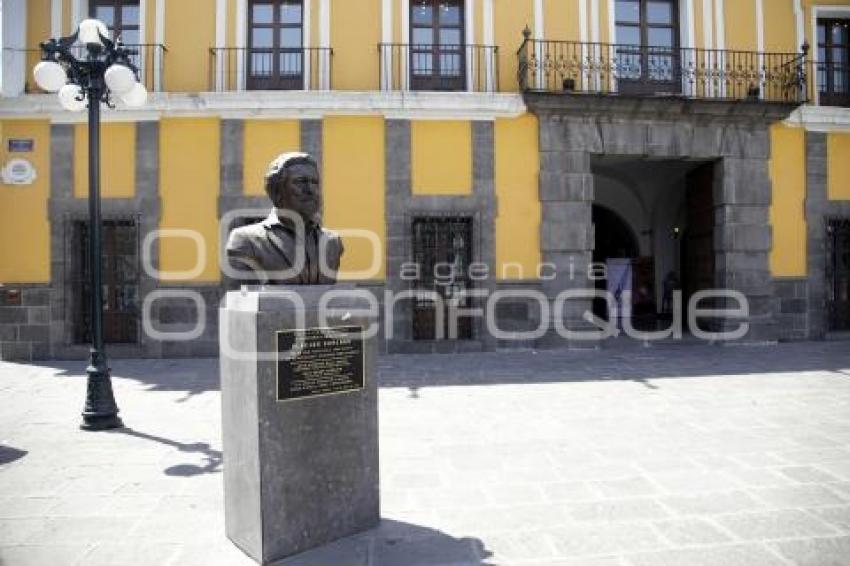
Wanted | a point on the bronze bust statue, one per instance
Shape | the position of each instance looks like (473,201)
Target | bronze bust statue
(284,248)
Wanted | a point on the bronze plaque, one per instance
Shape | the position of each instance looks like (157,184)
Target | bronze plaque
(324,364)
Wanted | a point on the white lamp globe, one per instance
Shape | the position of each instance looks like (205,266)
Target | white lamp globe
(49,76)
(136,96)
(119,78)
(69,96)
(91,30)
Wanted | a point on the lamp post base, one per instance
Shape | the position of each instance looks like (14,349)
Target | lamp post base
(101,422)
(100,411)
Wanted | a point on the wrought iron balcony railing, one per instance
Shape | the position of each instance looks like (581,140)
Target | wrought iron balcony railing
(149,58)
(254,68)
(602,68)
(473,68)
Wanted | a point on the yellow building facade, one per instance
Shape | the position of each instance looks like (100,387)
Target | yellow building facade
(519,142)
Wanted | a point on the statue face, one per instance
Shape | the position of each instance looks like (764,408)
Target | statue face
(298,190)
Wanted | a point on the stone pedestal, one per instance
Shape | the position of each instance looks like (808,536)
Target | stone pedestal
(297,473)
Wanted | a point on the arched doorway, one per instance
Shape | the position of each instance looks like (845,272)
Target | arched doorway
(614,240)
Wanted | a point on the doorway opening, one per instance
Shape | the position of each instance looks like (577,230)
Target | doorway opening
(654,224)
(838,274)
(120,268)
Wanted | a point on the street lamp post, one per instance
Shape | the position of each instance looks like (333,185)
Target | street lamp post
(102,71)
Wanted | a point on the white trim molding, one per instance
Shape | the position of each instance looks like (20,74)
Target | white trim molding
(539,33)
(241,41)
(539,20)
(760,42)
(386,37)
(56,18)
(292,104)
(489,39)
(220,41)
(306,26)
(404,12)
(820,119)
(159,37)
(707,25)
(79,12)
(469,39)
(582,21)
(800,19)
(324,41)
(720,25)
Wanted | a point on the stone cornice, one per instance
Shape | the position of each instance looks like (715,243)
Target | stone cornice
(657,108)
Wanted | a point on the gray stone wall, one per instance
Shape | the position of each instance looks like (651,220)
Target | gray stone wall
(24,322)
(792,308)
(818,210)
(402,207)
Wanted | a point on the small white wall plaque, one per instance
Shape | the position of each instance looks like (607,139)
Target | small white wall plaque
(18,172)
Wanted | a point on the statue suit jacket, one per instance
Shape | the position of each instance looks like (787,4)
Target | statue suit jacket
(264,251)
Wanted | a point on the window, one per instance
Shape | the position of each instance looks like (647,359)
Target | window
(275,45)
(120,282)
(833,62)
(647,46)
(120,16)
(442,250)
(437,52)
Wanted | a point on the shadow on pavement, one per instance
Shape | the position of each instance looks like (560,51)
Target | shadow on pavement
(9,454)
(192,376)
(616,360)
(395,543)
(613,362)
(212,458)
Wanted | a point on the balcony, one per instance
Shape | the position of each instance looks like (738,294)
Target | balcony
(633,70)
(243,68)
(149,59)
(472,68)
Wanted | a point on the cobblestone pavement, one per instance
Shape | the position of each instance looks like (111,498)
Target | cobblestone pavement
(671,455)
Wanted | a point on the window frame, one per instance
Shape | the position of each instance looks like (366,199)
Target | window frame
(644,52)
(117,21)
(276,79)
(826,92)
(436,79)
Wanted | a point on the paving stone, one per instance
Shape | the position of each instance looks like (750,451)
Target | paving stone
(127,554)
(685,532)
(712,504)
(816,552)
(40,555)
(604,539)
(634,456)
(19,530)
(24,507)
(786,523)
(798,496)
(628,487)
(836,516)
(617,510)
(807,474)
(739,555)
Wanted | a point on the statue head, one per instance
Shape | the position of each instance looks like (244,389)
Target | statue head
(292,183)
